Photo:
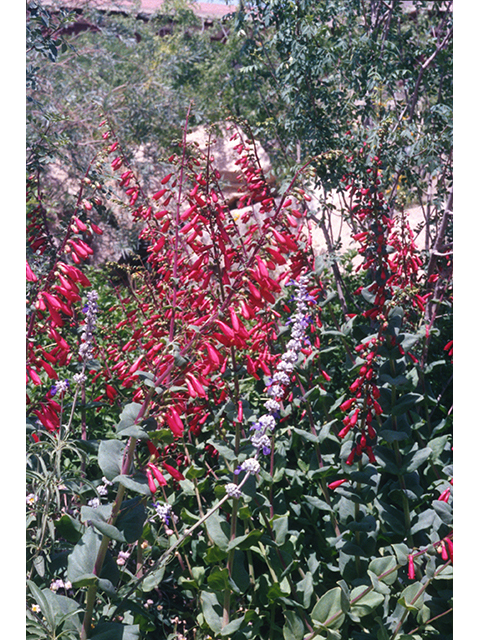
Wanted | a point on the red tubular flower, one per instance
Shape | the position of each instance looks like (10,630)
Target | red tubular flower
(174,422)
(151,483)
(152,449)
(371,455)
(347,404)
(175,473)
(411,568)
(159,477)
(344,431)
(449,545)
(351,457)
(444,496)
(31,277)
(336,483)
(240,411)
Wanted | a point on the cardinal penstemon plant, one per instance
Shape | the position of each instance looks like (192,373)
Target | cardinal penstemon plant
(208,454)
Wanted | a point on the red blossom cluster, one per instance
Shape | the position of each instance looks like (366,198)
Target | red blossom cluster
(391,262)
(52,298)
(203,301)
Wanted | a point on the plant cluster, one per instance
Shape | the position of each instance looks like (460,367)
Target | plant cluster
(303,467)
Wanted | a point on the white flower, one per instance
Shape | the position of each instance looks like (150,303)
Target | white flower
(272,406)
(31,499)
(251,464)
(56,584)
(281,377)
(94,502)
(261,441)
(232,490)
(163,512)
(267,422)
(275,391)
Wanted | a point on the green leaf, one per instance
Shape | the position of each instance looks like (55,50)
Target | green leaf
(81,563)
(116,631)
(218,530)
(377,584)
(153,579)
(331,608)
(293,628)
(134,431)
(278,590)
(131,519)
(57,609)
(43,603)
(389,435)
(245,541)
(137,483)
(305,589)
(212,610)
(406,402)
(409,597)
(218,579)
(98,517)
(407,340)
(240,578)
(69,528)
(415,459)
(232,626)
(110,456)
(306,435)
(82,560)
(401,551)
(444,510)
(380,566)
(386,459)
(128,416)
(280,528)
(424,521)
(367,604)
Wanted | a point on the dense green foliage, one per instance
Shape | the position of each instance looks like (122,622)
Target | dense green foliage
(234,436)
